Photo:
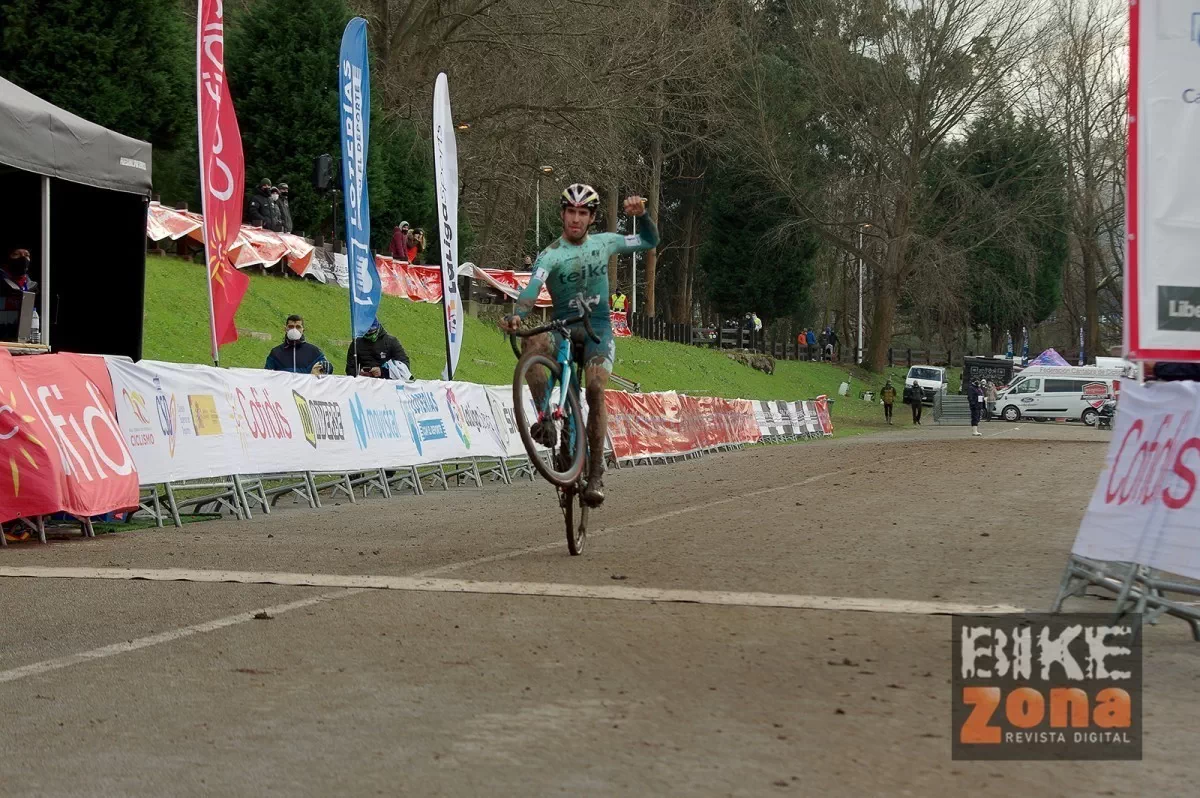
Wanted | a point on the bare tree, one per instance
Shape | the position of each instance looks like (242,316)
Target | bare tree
(887,83)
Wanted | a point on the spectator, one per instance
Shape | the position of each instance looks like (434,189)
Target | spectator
(527,263)
(398,249)
(618,301)
(812,338)
(915,400)
(258,209)
(416,246)
(370,353)
(801,340)
(275,225)
(14,282)
(888,394)
(296,355)
(833,341)
(399,246)
(285,210)
(975,398)
(991,398)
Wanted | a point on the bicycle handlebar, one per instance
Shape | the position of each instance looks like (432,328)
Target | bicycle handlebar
(558,325)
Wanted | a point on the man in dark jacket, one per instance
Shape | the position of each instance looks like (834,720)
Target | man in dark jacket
(975,397)
(297,355)
(285,210)
(258,209)
(369,354)
(916,400)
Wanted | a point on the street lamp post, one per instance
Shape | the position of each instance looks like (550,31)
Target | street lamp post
(544,170)
(633,279)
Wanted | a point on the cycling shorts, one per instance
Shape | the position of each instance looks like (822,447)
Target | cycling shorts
(603,353)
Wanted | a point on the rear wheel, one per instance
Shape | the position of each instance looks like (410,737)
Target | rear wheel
(1012,413)
(1089,417)
(566,430)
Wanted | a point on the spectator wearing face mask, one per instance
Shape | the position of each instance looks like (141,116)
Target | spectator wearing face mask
(275,223)
(295,354)
(14,281)
(370,353)
(258,209)
(285,210)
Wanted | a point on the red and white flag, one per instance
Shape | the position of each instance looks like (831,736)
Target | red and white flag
(222,173)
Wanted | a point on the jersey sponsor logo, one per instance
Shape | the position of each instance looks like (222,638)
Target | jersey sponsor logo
(633,241)
(540,274)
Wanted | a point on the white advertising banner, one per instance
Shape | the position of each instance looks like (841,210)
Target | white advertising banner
(781,419)
(1145,507)
(445,163)
(1162,283)
(190,422)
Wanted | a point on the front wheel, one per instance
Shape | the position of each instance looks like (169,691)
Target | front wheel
(566,426)
(1011,413)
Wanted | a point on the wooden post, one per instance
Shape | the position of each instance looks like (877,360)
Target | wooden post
(910,358)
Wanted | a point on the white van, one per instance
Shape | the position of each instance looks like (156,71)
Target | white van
(1071,392)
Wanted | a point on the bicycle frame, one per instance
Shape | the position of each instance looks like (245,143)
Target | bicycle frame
(556,392)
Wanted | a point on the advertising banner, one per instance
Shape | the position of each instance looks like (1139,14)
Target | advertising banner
(445,164)
(60,447)
(1162,284)
(1145,508)
(222,173)
(355,82)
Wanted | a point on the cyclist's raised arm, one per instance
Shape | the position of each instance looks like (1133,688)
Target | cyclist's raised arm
(646,238)
(528,296)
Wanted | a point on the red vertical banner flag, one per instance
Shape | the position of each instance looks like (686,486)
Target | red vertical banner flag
(222,173)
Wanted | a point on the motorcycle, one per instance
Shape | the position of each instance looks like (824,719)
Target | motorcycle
(1107,413)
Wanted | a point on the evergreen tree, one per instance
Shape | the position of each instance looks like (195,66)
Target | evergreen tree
(128,66)
(746,268)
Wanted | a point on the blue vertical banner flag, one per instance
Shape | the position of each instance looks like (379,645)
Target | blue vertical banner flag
(1082,359)
(1024,347)
(354,78)
(1009,352)
(445,166)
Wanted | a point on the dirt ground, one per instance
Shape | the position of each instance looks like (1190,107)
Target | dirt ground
(570,676)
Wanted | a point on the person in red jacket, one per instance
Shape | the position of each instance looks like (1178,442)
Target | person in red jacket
(399,246)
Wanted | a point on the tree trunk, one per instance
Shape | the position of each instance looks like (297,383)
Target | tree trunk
(1091,302)
(613,208)
(656,164)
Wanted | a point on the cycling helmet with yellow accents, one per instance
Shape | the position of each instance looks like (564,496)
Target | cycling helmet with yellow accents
(580,195)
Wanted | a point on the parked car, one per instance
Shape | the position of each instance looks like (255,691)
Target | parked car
(930,379)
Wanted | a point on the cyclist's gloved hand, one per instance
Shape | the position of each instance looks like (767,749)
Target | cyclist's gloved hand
(510,323)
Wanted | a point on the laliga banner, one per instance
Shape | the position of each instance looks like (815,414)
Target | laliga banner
(1145,508)
(1162,284)
(445,163)
(222,174)
(60,447)
(355,82)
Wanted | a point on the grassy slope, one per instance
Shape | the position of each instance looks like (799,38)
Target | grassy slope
(177,330)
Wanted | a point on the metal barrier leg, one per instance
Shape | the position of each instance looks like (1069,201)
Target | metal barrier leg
(173,506)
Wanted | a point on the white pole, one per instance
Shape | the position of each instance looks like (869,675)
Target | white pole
(633,279)
(537,210)
(44,285)
(860,292)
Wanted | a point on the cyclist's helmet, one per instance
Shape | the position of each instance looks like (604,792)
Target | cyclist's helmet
(580,195)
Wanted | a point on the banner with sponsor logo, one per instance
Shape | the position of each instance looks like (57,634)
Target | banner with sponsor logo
(60,447)
(354,76)
(1162,284)
(445,164)
(620,324)
(1145,507)
(222,174)
(669,424)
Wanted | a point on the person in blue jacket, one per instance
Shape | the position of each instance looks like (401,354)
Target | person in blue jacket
(296,354)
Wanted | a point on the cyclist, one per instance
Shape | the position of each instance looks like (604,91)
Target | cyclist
(578,263)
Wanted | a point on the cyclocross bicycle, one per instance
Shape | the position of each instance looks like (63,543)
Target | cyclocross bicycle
(561,412)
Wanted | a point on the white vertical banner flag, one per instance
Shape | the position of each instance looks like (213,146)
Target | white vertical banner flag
(445,162)
(1162,283)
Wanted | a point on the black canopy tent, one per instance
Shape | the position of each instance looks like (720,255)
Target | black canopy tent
(86,189)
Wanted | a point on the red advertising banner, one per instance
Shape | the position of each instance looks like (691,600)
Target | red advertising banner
(620,324)
(222,173)
(668,424)
(60,447)
(823,415)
